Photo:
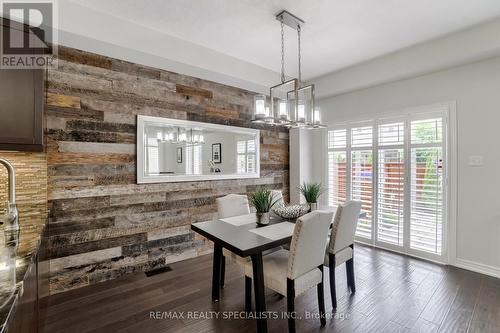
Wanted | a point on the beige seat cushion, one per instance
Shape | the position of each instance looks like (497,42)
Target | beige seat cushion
(340,257)
(234,257)
(275,274)
(242,260)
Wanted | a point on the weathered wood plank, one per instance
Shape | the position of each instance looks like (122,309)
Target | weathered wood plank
(83,57)
(63,101)
(54,158)
(223,113)
(192,91)
(84,258)
(97,148)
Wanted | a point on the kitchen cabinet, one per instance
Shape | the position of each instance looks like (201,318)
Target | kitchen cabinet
(22,98)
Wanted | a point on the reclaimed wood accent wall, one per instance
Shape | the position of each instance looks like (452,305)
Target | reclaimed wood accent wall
(103,225)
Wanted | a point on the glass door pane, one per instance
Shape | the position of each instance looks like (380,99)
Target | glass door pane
(426,188)
(390,196)
(362,188)
(337,178)
(426,221)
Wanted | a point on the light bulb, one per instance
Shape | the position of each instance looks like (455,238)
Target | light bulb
(317,116)
(301,114)
(260,106)
(283,110)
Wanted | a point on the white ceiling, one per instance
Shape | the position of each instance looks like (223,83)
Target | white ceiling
(337,33)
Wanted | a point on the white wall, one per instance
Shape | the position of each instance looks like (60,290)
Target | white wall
(476,90)
(307,154)
(118,38)
(228,152)
(473,44)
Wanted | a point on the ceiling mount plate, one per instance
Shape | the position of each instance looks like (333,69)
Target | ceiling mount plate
(289,19)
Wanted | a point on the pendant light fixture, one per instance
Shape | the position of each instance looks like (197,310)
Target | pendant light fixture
(290,103)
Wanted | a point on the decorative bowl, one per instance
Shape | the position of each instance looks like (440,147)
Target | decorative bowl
(292,211)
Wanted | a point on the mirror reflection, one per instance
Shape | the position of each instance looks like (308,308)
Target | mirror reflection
(190,149)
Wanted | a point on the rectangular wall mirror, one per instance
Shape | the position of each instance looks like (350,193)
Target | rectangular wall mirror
(173,150)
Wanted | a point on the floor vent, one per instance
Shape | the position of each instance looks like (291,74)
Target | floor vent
(158,271)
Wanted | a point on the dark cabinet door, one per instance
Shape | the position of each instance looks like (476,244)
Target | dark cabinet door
(21,109)
(22,97)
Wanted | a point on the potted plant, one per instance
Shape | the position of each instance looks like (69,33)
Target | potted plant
(262,200)
(311,193)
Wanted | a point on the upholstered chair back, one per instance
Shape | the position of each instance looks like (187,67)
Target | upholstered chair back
(344,226)
(307,249)
(232,205)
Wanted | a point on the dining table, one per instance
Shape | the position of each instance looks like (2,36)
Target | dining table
(245,238)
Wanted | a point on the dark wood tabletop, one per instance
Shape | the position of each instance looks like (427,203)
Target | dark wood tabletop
(239,239)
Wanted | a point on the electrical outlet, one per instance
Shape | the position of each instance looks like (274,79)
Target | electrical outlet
(476,161)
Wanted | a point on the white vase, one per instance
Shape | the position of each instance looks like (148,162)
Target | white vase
(263,218)
(313,206)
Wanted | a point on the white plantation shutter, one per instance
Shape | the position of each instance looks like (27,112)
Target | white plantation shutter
(251,155)
(197,158)
(362,137)
(337,176)
(246,156)
(241,156)
(362,176)
(362,188)
(337,167)
(152,158)
(337,139)
(390,183)
(426,221)
(251,163)
(396,169)
(189,160)
(193,160)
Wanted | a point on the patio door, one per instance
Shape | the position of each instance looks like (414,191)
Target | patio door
(396,168)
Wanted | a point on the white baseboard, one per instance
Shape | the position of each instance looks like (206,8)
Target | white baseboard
(477,267)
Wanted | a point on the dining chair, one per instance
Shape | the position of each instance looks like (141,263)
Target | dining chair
(229,206)
(291,273)
(340,247)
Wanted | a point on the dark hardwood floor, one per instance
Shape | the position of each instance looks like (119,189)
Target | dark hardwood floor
(394,293)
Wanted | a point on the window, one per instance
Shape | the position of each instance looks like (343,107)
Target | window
(390,183)
(337,167)
(395,167)
(246,155)
(152,155)
(193,159)
(426,185)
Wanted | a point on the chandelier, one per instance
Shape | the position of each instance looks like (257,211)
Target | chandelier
(291,103)
(181,135)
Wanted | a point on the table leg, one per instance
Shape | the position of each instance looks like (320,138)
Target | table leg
(216,272)
(260,301)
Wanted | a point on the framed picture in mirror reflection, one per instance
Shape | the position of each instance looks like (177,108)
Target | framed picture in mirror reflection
(179,154)
(216,153)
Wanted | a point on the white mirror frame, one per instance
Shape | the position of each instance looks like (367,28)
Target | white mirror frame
(142,121)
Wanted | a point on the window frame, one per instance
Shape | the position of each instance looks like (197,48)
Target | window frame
(448,113)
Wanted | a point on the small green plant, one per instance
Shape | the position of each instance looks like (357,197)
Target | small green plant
(262,200)
(311,192)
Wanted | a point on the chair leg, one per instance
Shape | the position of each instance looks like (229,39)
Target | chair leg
(223,272)
(331,268)
(290,301)
(321,299)
(248,294)
(349,265)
